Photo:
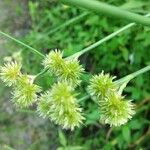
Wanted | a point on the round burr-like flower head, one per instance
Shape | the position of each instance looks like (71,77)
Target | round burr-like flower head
(115,110)
(54,62)
(101,85)
(61,106)
(71,72)
(65,69)
(44,105)
(10,72)
(25,92)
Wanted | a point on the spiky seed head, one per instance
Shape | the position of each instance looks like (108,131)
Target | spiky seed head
(44,105)
(10,72)
(101,85)
(54,61)
(115,110)
(65,70)
(71,72)
(61,106)
(25,92)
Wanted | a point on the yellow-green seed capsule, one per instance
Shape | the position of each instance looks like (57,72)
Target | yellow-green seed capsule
(10,72)
(68,70)
(115,110)
(101,85)
(61,106)
(54,62)
(25,92)
(71,72)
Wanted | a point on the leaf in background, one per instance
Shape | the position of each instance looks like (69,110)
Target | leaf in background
(62,138)
(92,117)
(132,4)
(135,124)
(126,133)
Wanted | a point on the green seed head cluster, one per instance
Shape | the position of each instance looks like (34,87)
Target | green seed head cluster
(60,102)
(101,85)
(10,72)
(54,62)
(24,91)
(114,109)
(61,106)
(65,70)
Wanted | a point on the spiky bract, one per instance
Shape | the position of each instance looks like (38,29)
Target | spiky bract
(25,92)
(10,72)
(115,110)
(101,85)
(62,108)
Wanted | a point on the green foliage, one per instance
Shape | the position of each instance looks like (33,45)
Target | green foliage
(120,56)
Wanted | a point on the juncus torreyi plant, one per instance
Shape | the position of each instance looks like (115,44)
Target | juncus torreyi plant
(59,103)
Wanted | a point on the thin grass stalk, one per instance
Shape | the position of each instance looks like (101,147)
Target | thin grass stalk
(23,44)
(132,75)
(109,10)
(96,44)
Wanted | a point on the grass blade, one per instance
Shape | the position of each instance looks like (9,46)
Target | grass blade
(110,36)
(23,44)
(109,10)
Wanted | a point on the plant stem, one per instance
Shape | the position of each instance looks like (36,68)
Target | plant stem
(21,43)
(132,75)
(109,10)
(78,54)
(102,40)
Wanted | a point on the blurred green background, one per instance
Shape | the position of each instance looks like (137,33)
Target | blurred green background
(37,24)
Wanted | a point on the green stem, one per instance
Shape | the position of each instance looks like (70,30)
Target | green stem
(129,77)
(41,73)
(123,81)
(78,54)
(109,10)
(87,49)
(23,44)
